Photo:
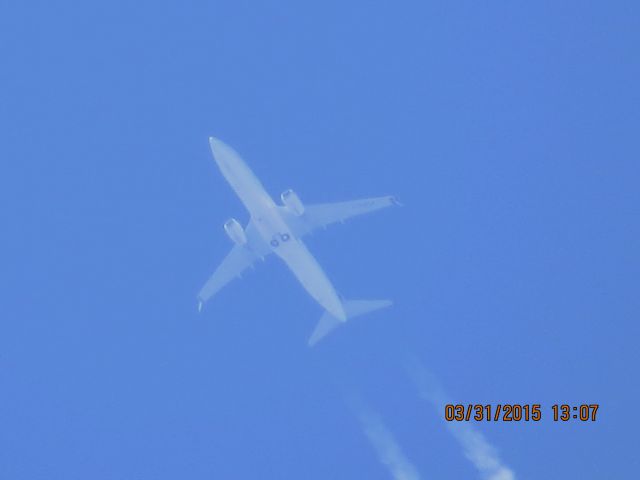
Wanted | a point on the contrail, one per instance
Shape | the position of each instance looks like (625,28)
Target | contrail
(477,449)
(384,443)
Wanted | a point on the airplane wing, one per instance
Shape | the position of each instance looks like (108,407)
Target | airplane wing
(237,260)
(324,214)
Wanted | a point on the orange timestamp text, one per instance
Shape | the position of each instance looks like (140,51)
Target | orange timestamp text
(516,412)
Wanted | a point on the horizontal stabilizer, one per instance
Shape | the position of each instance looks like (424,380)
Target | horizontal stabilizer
(352,308)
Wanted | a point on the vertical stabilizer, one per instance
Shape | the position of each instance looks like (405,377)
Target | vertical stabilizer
(352,308)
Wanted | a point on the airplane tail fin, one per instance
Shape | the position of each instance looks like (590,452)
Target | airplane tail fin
(353,308)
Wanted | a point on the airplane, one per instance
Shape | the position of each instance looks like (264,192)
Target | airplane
(279,229)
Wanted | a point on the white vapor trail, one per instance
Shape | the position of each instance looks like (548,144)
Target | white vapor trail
(384,443)
(476,447)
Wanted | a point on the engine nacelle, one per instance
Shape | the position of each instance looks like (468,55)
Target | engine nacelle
(235,231)
(292,202)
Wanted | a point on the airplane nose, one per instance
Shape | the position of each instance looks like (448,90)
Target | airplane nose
(218,149)
(215,144)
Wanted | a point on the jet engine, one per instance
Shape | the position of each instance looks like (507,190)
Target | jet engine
(235,231)
(292,202)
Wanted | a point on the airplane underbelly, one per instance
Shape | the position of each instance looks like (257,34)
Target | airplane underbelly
(309,273)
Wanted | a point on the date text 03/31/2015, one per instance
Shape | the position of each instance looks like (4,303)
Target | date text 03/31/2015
(515,412)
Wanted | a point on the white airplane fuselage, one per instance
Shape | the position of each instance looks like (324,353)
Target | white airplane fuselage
(275,231)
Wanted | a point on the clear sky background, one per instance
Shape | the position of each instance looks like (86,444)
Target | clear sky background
(510,131)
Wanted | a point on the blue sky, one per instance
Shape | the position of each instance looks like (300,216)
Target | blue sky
(509,131)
